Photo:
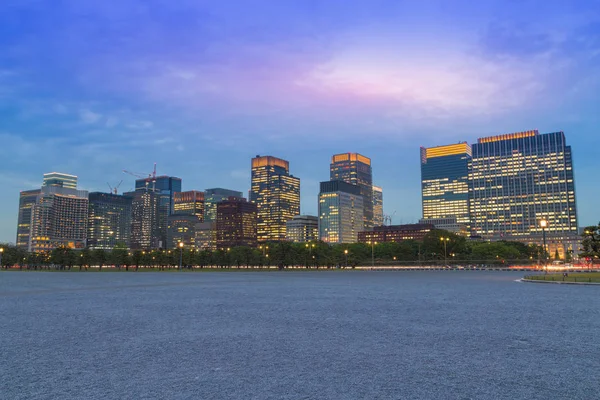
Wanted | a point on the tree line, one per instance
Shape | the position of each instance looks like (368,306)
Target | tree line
(439,247)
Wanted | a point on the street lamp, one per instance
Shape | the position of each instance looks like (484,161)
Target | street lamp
(445,240)
(346,254)
(180,254)
(1,251)
(544,225)
(373,253)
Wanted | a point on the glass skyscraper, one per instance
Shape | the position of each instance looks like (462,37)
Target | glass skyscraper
(340,212)
(60,179)
(377,206)
(109,220)
(355,169)
(445,182)
(27,200)
(144,220)
(276,194)
(212,197)
(519,179)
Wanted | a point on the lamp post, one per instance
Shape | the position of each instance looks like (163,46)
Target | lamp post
(544,225)
(1,251)
(346,254)
(180,254)
(373,243)
(445,240)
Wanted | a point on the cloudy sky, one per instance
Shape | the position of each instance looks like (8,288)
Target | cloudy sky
(92,87)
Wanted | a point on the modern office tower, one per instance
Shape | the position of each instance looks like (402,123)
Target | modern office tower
(182,228)
(109,221)
(60,179)
(189,203)
(448,224)
(377,206)
(236,223)
(302,228)
(59,217)
(145,234)
(165,187)
(519,179)
(445,182)
(395,233)
(276,194)
(206,236)
(214,196)
(356,169)
(341,212)
(27,199)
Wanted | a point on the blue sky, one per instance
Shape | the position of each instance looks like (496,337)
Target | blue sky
(199,87)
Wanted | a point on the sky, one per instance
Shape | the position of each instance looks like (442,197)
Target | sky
(92,87)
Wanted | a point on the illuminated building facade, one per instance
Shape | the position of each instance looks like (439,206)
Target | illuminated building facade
(206,236)
(448,224)
(109,220)
(377,206)
(27,199)
(182,228)
(276,194)
(145,234)
(236,223)
(341,212)
(60,179)
(302,228)
(355,169)
(165,188)
(59,217)
(395,233)
(189,203)
(445,182)
(212,197)
(519,179)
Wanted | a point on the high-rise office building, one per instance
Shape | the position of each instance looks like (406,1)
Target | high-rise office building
(59,217)
(145,234)
(109,221)
(276,194)
(164,187)
(519,179)
(377,206)
(182,228)
(356,169)
(27,200)
(206,236)
(236,223)
(302,229)
(214,196)
(445,182)
(60,179)
(341,211)
(189,203)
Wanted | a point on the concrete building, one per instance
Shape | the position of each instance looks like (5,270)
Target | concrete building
(206,236)
(447,224)
(60,179)
(276,194)
(182,228)
(236,223)
(302,229)
(340,212)
(189,203)
(395,233)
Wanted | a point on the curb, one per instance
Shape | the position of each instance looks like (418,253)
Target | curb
(558,282)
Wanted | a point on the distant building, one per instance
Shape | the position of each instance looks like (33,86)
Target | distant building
(60,179)
(236,223)
(59,217)
(165,188)
(395,233)
(214,196)
(340,212)
(27,200)
(355,169)
(276,194)
(145,234)
(189,203)
(447,224)
(519,179)
(182,228)
(377,206)
(445,182)
(109,221)
(206,236)
(302,228)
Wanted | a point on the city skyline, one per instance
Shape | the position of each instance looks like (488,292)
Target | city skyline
(201,88)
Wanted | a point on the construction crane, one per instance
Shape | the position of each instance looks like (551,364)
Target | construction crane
(114,189)
(151,178)
(387,219)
